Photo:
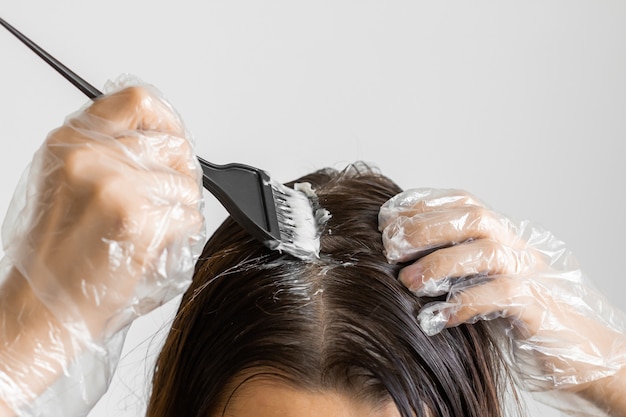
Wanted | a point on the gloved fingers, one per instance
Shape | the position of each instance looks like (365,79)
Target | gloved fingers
(165,210)
(417,201)
(498,297)
(161,149)
(435,273)
(407,238)
(136,208)
(175,188)
(556,337)
(115,202)
(132,108)
(86,164)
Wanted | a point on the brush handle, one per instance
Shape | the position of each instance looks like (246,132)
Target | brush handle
(79,82)
(88,89)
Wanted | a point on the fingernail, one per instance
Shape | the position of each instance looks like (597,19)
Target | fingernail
(433,318)
(411,276)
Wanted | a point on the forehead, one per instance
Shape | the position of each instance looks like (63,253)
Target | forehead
(266,396)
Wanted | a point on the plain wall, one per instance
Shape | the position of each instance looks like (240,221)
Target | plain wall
(520,103)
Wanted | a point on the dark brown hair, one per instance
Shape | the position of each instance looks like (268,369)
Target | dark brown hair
(342,322)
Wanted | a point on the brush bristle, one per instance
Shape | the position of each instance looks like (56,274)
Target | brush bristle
(300,220)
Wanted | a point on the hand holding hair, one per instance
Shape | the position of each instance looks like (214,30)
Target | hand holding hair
(479,265)
(105,226)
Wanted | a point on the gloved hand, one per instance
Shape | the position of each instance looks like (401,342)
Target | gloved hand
(561,334)
(106,225)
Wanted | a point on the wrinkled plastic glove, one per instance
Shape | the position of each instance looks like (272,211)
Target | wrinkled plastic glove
(105,226)
(560,333)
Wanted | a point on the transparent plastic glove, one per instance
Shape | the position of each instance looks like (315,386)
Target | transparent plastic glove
(105,226)
(560,333)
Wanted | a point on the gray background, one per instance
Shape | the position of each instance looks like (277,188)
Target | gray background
(521,103)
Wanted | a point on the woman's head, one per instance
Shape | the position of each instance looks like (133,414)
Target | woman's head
(340,325)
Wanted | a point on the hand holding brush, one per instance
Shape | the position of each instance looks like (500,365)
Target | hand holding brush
(106,226)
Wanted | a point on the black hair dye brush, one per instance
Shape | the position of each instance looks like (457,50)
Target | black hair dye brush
(280,217)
